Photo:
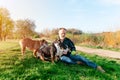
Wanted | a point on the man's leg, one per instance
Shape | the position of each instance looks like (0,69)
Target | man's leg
(87,62)
(84,60)
(67,60)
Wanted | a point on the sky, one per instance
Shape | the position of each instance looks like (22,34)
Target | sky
(92,16)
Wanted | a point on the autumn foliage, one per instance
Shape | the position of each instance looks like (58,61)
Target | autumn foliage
(10,29)
(112,39)
(105,39)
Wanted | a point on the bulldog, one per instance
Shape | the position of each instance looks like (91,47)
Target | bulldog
(52,52)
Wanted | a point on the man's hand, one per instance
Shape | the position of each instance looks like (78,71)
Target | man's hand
(65,52)
(74,52)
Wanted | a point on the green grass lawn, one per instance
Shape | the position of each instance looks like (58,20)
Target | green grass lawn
(13,66)
(4,45)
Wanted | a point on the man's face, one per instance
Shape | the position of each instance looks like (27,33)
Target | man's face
(62,33)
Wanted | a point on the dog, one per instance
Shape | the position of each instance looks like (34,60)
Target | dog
(47,53)
(32,45)
(52,52)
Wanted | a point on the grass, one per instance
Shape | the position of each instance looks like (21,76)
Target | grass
(13,66)
(4,45)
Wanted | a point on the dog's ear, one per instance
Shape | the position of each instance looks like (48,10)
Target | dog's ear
(44,41)
(55,40)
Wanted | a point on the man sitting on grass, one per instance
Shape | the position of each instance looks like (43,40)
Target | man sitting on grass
(70,56)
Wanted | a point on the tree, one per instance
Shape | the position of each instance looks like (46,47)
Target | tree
(74,31)
(6,24)
(25,28)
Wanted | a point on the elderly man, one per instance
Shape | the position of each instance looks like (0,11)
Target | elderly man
(68,56)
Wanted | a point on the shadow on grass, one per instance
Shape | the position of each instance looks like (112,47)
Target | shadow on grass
(14,66)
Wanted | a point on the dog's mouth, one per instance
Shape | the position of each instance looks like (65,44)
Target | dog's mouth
(43,46)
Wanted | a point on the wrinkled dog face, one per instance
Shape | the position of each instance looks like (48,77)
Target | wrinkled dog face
(60,48)
(43,42)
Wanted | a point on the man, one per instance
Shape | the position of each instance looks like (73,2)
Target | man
(68,56)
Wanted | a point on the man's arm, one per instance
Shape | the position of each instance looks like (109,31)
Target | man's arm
(72,46)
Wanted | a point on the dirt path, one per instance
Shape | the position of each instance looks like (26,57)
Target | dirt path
(100,52)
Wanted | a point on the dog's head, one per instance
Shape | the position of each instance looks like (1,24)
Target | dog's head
(61,47)
(43,42)
(60,44)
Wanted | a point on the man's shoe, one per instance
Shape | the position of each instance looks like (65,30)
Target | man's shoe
(79,62)
(100,69)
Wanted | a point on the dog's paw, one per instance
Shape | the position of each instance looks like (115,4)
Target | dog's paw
(38,57)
